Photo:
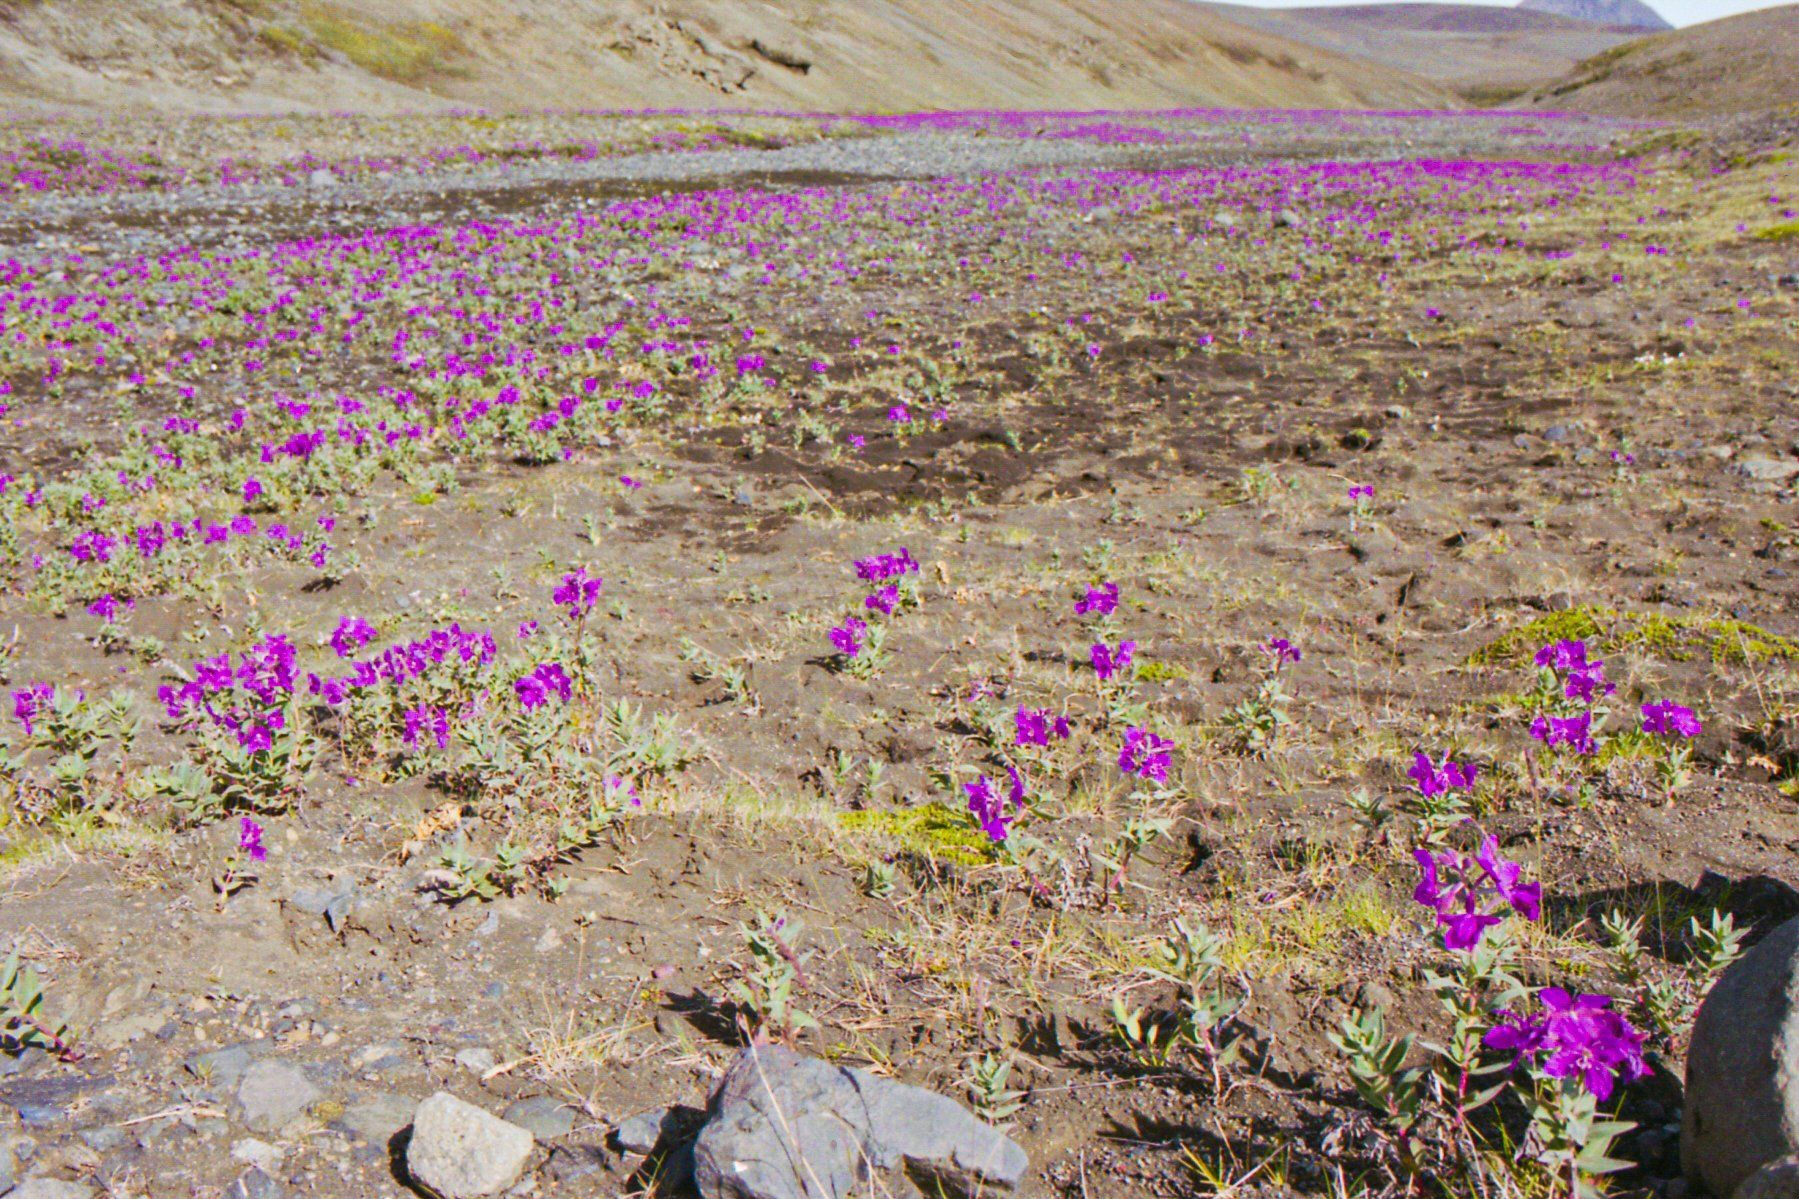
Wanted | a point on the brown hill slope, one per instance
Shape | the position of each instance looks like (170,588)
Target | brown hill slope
(1484,52)
(1746,63)
(874,54)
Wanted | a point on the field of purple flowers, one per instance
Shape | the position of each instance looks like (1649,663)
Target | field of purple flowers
(1263,663)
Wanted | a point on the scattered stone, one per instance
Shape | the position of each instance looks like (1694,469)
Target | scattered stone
(477,1060)
(459,1150)
(1556,434)
(273,1094)
(104,1139)
(1286,218)
(377,1118)
(784,1126)
(543,1116)
(569,1162)
(254,1184)
(261,1154)
(333,902)
(50,1188)
(1769,470)
(644,1131)
(1742,1098)
(225,1067)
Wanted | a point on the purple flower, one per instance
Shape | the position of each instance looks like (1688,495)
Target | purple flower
(1282,651)
(987,809)
(249,839)
(1106,663)
(1146,755)
(1456,887)
(534,690)
(1577,1036)
(27,702)
(352,634)
(882,567)
(426,719)
(1576,732)
(1668,719)
(1435,779)
(107,607)
(883,601)
(847,637)
(252,491)
(578,593)
(1035,725)
(1362,491)
(1100,601)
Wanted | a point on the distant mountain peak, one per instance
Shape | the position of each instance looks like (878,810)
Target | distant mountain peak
(1632,13)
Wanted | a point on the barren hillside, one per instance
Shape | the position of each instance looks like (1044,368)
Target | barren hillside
(1482,51)
(409,54)
(1745,63)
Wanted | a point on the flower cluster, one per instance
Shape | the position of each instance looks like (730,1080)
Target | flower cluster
(1575,1036)
(247,698)
(1434,779)
(27,702)
(1107,661)
(351,634)
(1581,681)
(884,567)
(1099,601)
(847,637)
(1470,894)
(1669,719)
(1146,755)
(989,810)
(535,689)
(578,593)
(401,664)
(1035,726)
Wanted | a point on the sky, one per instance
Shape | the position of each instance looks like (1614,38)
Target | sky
(1678,12)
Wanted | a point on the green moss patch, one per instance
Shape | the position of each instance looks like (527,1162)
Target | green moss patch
(1674,638)
(930,830)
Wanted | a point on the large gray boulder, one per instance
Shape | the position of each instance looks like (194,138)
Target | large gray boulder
(785,1126)
(1742,1102)
(460,1151)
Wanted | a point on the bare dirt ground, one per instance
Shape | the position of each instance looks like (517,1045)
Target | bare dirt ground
(1568,378)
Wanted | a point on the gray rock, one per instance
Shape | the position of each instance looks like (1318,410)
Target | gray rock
(1742,1100)
(377,1118)
(334,902)
(254,1184)
(642,1132)
(273,1094)
(477,1060)
(783,1126)
(225,1067)
(459,1150)
(543,1116)
(1286,218)
(1556,433)
(50,1188)
(1776,1180)
(1769,470)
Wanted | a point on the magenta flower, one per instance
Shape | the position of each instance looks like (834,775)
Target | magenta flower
(884,567)
(1362,491)
(1575,732)
(1034,726)
(535,689)
(1146,755)
(27,702)
(1099,601)
(989,812)
(847,637)
(352,634)
(1461,891)
(578,593)
(249,839)
(1669,719)
(1433,780)
(1577,1036)
(252,491)
(1106,663)
(883,601)
(1282,651)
